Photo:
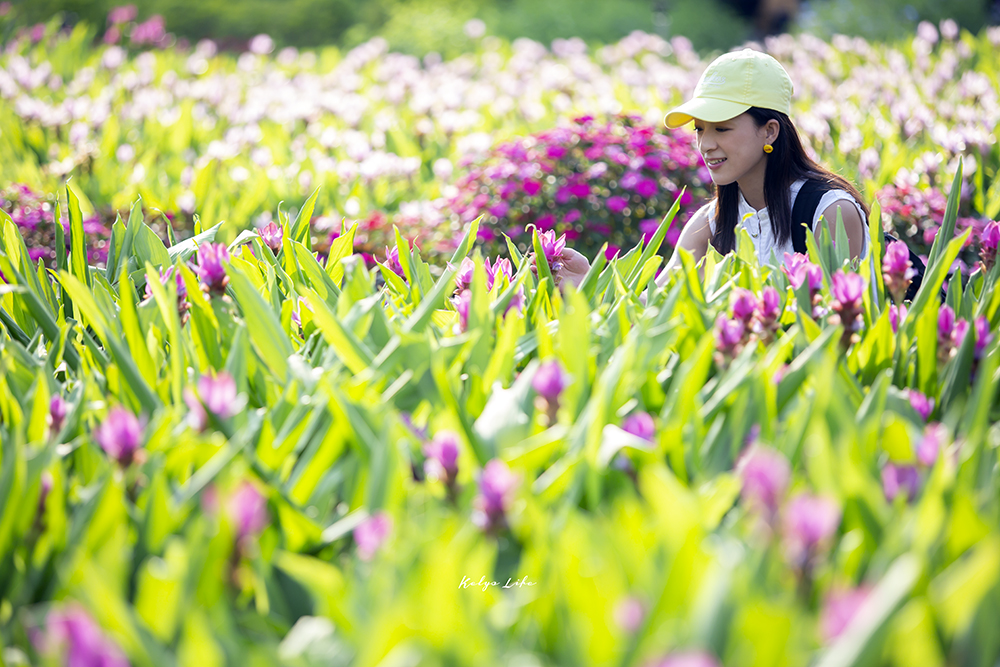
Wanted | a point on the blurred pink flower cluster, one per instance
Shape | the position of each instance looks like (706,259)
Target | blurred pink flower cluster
(122,23)
(34,215)
(593,181)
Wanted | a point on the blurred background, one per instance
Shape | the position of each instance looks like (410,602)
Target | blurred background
(420,27)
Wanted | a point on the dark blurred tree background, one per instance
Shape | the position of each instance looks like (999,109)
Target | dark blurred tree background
(422,26)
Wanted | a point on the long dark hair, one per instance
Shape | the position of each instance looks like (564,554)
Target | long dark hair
(786,164)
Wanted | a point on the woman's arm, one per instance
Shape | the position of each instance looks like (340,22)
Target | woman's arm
(853,224)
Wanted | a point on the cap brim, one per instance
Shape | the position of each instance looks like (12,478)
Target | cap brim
(703,108)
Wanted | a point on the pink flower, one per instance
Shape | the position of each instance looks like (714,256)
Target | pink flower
(120,436)
(72,638)
(988,244)
(496,487)
(271,234)
(923,405)
(616,204)
(124,14)
(647,188)
(688,659)
(532,187)
(218,394)
(900,478)
(629,614)
(248,511)
(809,521)
(896,314)
(463,277)
(372,533)
(847,289)
(838,611)
(936,435)
(744,305)
(946,323)
(212,258)
(57,412)
(728,335)
(983,335)
(442,457)
(392,262)
(552,247)
(550,380)
(770,304)
(462,302)
(640,424)
(765,473)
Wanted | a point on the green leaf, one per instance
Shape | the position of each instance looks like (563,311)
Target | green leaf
(300,228)
(266,334)
(77,239)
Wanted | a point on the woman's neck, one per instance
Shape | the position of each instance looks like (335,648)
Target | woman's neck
(752,185)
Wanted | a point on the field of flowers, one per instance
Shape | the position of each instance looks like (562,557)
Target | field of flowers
(254,444)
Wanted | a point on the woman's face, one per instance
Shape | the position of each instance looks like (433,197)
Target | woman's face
(733,150)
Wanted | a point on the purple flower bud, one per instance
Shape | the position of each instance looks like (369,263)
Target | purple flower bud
(838,611)
(248,511)
(808,522)
(765,473)
(57,412)
(165,277)
(462,302)
(196,416)
(500,267)
(496,486)
(847,289)
(463,277)
(45,484)
(550,380)
(442,457)
(71,635)
(988,244)
(946,323)
(218,394)
(629,614)
(211,267)
(896,479)
(372,533)
(728,334)
(688,659)
(552,247)
(814,272)
(923,405)
(896,315)
(640,424)
(770,304)
(897,270)
(936,436)
(795,267)
(983,335)
(120,436)
(271,234)
(744,305)
(958,335)
(392,262)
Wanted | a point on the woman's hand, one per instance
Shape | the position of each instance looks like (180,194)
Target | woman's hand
(569,266)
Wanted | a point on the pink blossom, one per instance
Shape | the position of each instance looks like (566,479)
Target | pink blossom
(765,473)
(248,511)
(922,404)
(371,534)
(640,424)
(898,479)
(809,521)
(839,609)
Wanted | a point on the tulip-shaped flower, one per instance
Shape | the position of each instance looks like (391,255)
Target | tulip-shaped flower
(500,267)
(212,258)
(765,473)
(730,335)
(983,336)
(640,424)
(462,303)
(946,333)
(120,436)
(629,614)
(923,405)
(898,479)
(809,522)
(463,277)
(839,610)
(988,245)
(848,290)
(218,393)
(768,313)
(371,534)
(57,413)
(896,315)
(72,638)
(182,304)
(248,511)
(552,247)
(801,271)
(936,436)
(442,458)
(271,234)
(744,304)
(496,487)
(549,382)
(897,270)
(392,262)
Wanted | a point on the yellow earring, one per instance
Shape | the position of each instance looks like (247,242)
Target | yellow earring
(768,148)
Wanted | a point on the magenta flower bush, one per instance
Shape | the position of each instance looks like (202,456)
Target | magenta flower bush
(594,181)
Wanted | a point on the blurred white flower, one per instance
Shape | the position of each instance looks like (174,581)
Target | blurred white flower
(475,28)
(261,45)
(125,153)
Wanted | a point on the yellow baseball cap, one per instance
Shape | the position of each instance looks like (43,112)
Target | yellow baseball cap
(733,83)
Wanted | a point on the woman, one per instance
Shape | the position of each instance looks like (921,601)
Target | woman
(740,111)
